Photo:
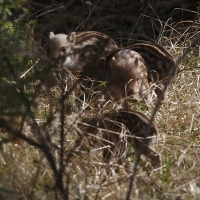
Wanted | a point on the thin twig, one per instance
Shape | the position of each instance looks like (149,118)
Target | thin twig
(30,68)
(84,21)
(141,17)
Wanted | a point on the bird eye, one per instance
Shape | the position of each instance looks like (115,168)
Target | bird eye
(63,49)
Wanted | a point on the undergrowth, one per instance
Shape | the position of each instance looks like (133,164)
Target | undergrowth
(38,124)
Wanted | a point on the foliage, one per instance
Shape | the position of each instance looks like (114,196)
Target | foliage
(7,6)
(39,158)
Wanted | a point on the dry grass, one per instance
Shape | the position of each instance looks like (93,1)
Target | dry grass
(25,172)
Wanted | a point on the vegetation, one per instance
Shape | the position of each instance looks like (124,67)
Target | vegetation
(39,158)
